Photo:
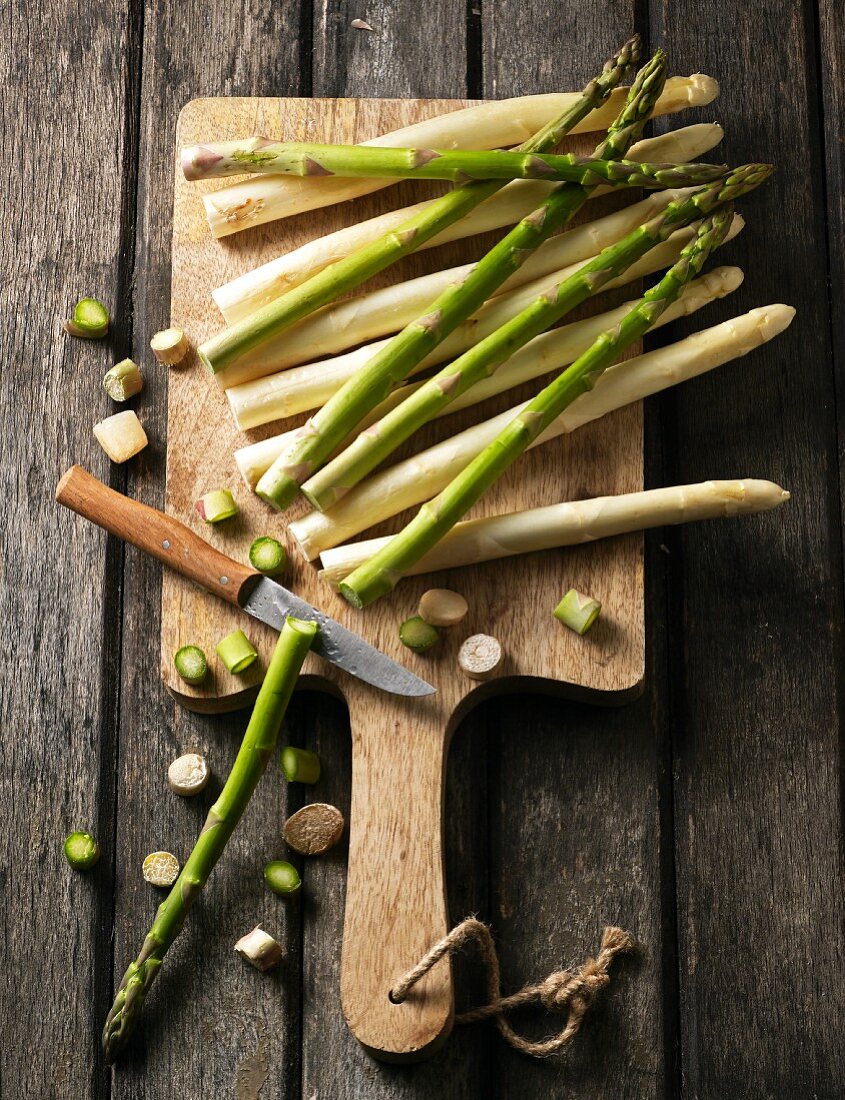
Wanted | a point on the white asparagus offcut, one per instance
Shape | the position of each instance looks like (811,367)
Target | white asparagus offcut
(542,354)
(423,475)
(264,284)
(580,521)
(487,126)
(263,396)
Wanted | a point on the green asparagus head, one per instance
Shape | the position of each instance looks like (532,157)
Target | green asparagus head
(630,122)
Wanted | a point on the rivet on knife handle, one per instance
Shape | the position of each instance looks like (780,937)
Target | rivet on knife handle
(165,538)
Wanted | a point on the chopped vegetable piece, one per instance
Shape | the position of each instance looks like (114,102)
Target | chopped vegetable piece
(82,851)
(577,611)
(314,829)
(442,607)
(170,346)
(217,505)
(480,657)
(257,746)
(191,664)
(268,556)
(236,651)
(417,634)
(300,765)
(121,436)
(282,877)
(188,774)
(161,868)
(259,948)
(90,320)
(123,381)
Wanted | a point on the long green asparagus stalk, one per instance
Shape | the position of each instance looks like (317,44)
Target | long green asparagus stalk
(482,360)
(458,165)
(380,574)
(398,358)
(249,334)
(257,747)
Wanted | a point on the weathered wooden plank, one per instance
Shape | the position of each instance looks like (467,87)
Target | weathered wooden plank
(212,1023)
(60,585)
(398,59)
(576,790)
(757,614)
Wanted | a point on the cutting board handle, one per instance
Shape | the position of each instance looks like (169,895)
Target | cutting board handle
(396,895)
(164,537)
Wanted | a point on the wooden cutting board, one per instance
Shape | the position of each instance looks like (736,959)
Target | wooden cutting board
(395,902)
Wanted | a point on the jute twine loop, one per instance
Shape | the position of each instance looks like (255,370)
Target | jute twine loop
(566,991)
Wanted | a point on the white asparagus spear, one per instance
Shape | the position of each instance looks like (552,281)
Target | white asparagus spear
(366,316)
(422,475)
(544,353)
(486,126)
(263,284)
(571,524)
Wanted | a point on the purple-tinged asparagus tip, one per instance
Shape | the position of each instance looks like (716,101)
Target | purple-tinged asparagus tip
(197,161)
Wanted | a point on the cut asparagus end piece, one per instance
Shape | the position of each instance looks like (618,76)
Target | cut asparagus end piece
(480,657)
(577,611)
(236,652)
(81,851)
(259,949)
(121,436)
(188,775)
(282,877)
(268,556)
(314,829)
(217,505)
(191,664)
(170,346)
(123,380)
(161,868)
(417,634)
(442,607)
(90,320)
(300,765)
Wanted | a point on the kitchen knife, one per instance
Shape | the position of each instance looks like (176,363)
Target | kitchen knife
(178,547)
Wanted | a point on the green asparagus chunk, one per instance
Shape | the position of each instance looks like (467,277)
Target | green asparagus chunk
(464,165)
(282,877)
(267,555)
(578,612)
(249,334)
(417,634)
(90,320)
(379,574)
(300,765)
(236,652)
(257,747)
(217,505)
(372,384)
(123,380)
(191,664)
(81,851)
(482,360)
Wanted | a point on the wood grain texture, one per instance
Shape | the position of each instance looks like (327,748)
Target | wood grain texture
(213,1024)
(757,618)
(59,583)
(395,896)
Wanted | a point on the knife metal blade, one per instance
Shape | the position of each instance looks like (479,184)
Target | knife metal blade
(271,603)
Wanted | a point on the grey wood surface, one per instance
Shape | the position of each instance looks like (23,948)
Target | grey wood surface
(705,817)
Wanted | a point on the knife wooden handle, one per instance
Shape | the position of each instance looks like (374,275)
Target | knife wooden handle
(165,538)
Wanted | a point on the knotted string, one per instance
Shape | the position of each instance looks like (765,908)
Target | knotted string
(566,991)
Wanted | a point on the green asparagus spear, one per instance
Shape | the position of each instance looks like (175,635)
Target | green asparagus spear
(458,165)
(482,360)
(380,375)
(249,334)
(380,574)
(257,747)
